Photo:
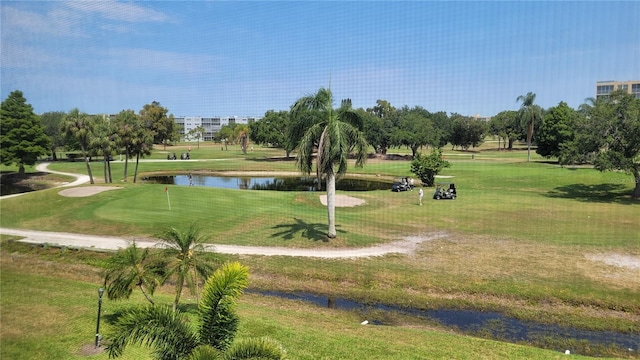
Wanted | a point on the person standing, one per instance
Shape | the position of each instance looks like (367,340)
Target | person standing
(420,195)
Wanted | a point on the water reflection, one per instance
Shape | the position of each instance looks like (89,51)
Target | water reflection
(290,183)
(487,324)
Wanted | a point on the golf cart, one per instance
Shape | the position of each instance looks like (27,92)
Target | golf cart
(405,184)
(445,191)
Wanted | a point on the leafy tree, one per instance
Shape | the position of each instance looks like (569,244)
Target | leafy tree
(172,337)
(132,268)
(333,135)
(183,249)
(52,122)
(79,126)
(104,142)
(154,117)
(609,137)
(378,127)
(414,129)
(427,167)
(197,133)
(467,132)
(443,127)
(528,115)
(22,136)
(272,130)
(128,126)
(504,126)
(558,127)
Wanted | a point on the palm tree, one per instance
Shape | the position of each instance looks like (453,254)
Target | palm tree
(79,126)
(172,337)
(104,142)
(333,135)
(528,114)
(184,264)
(130,268)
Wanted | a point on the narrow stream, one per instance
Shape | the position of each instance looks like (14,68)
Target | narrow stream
(490,325)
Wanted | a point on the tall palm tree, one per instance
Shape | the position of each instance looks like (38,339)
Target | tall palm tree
(172,336)
(333,135)
(78,125)
(528,114)
(104,142)
(132,268)
(182,249)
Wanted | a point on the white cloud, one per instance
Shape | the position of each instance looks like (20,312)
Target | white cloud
(114,10)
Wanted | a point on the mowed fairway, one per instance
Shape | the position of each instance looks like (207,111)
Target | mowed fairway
(529,239)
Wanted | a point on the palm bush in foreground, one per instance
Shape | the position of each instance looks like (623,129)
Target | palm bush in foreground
(130,268)
(182,249)
(172,337)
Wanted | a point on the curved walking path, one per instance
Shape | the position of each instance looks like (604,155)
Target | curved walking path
(97,242)
(406,246)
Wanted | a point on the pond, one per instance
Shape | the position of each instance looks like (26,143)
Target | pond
(488,324)
(283,183)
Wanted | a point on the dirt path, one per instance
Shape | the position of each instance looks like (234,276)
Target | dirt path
(405,246)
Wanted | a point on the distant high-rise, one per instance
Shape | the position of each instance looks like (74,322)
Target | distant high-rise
(604,88)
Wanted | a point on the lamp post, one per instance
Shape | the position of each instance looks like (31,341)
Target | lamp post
(100,292)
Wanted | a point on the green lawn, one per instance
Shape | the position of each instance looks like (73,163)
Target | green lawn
(520,239)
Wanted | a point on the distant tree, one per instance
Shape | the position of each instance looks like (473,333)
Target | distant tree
(414,129)
(226,134)
(22,136)
(558,127)
(609,137)
(196,133)
(104,142)
(272,130)
(528,115)
(183,250)
(241,134)
(172,335)
(504,126)
(52,122)
(132,268)
(154,117)
(79,126)
(427,167)
(127,127)
(467,132)
(443,127)
(379,126)
(332,135)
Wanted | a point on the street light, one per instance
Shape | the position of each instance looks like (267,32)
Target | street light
(98,337)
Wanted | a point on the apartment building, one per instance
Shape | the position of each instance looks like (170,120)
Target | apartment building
(604,88)
(211,125)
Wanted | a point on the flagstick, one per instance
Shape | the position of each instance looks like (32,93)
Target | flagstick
(168,201)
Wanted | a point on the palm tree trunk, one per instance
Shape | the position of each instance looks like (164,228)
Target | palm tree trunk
(145,295)
(135,173)
(179,282)
(126,164)
(86,161)
(636,190)
(331,204)
(104,169)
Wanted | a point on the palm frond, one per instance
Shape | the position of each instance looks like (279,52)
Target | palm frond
(167,332)
(217,306)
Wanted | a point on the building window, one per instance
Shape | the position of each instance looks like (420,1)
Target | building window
(624,87)
(604,89)
(635,90)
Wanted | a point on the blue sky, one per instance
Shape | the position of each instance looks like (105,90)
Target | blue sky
(204,58)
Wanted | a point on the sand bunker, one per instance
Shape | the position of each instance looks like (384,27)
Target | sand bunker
(85,191)
(343,201)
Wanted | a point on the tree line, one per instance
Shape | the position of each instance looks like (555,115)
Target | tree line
(604,132)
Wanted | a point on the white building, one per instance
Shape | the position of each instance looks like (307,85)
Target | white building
(211,125)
